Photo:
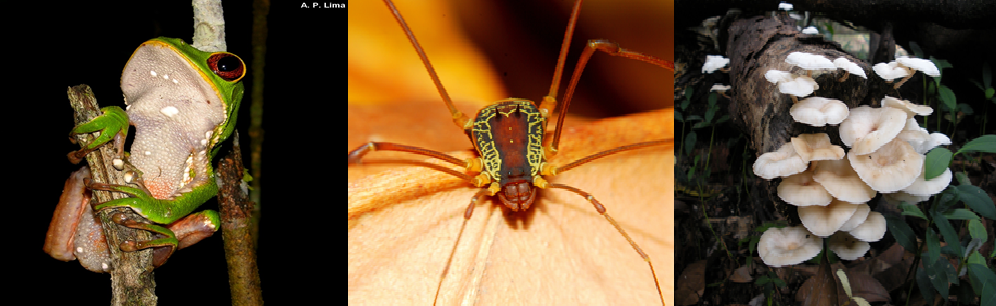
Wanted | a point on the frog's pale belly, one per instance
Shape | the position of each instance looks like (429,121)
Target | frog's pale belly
(170,146)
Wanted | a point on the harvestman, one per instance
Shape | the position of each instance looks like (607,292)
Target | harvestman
(509,138)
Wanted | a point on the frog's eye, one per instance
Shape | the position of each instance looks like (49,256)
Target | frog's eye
(227,66)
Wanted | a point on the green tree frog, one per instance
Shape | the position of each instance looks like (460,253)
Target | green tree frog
(183,103)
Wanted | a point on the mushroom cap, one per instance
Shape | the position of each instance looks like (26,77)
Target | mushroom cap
(816,147)
(788,246)
(801,190)
(921,187)
(811,30)
(893,167)
(719,87)
(890,71)
(916,136)
(783,162)
(910,108)
(850,67)
(823,221)
(800,86)
(784,6)
(840,180)
(777,76)
(924,65)
(847,247)
(873,229)
(860,215)
(819,111)
(714,62)
(900,196)
(866,129)
(809,61)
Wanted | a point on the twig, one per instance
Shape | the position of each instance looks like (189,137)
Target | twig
(132,280)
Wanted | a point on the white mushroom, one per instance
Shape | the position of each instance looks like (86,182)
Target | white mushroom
(847,247)
(823,221)
(873,229)
(840,180)
(809,62)
(910,108)
(922,187)
(810,30)
(714,62)
(784,6)
(801,190)
(866,129)
(893,167)
(777,76)
(783,162)
(720,88)
(798,87)
(860,215)
(900,196)
(816,147)
(926,66)
(890,71)
(788,246)
(819,111)
(849,68)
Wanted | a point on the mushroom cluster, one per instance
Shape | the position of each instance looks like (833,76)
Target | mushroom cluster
(886,155)
(802,86)
(905,67)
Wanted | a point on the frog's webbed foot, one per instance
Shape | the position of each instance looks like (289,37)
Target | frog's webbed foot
(180,234)
(112,125)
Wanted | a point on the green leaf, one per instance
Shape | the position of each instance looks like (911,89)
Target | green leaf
(977,230)
(712,99)
(939,272)
(989,93)
(722,119)
(701,124)
(709,114)
(678,116)
(977,200)
(983,282)
(962,178)
(933,246)
(689,91)
(694,117)
(948,232)
(937,161)
(985,143)
(901,232)
(966,109)
(948,97)
(912,210)
(961,214)
(923,282)
(690,142)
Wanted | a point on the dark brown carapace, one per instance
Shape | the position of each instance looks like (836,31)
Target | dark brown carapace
(508,137)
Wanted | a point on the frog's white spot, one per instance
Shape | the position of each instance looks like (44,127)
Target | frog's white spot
(204,142)
(153,72)
(175,81)
(169,111)
(79,249)
(104,266)
(129,176)
(148,152)
(118,163)
(166,76)
(207,134)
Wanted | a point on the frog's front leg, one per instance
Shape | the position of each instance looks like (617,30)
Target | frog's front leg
(112,125)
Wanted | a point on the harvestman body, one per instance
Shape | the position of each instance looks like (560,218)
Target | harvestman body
(509,138)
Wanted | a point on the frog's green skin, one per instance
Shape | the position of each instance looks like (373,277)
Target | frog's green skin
(182,106)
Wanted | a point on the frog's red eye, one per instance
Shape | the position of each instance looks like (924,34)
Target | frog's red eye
(227,66)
